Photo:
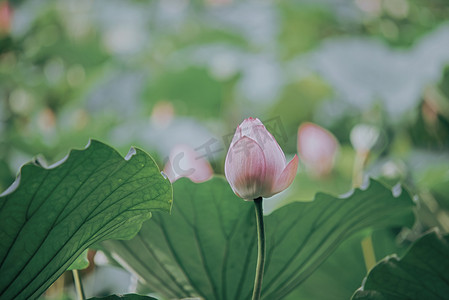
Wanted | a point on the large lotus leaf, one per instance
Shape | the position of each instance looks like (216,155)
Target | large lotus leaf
(51,215)
(207,247)
(421,274)
(348,257)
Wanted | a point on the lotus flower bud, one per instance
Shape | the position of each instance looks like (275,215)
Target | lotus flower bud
(255,165)
(317,148)
(363,137)
(185,162)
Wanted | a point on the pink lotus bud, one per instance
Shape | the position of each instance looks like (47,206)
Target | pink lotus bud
(255,164)
(317,148)
(5,17)
(185,162)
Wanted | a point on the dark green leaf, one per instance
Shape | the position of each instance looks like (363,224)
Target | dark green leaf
(55,214)
(348,257)
(123,297)
(207,247)
(421,274)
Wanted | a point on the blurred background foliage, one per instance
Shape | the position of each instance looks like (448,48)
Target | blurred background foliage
(156,74)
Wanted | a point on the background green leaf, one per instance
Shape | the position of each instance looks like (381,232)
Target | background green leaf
(348,257)
(421,274)
(55,214)
(207,247)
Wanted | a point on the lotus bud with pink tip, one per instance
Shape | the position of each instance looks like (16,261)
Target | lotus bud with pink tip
(318,149)
(255,165)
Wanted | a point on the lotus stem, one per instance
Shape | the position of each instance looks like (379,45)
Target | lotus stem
(260,248)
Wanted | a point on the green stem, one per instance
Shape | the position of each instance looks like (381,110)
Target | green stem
(261,249)
(357,180)
(78,285)
(368,253)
